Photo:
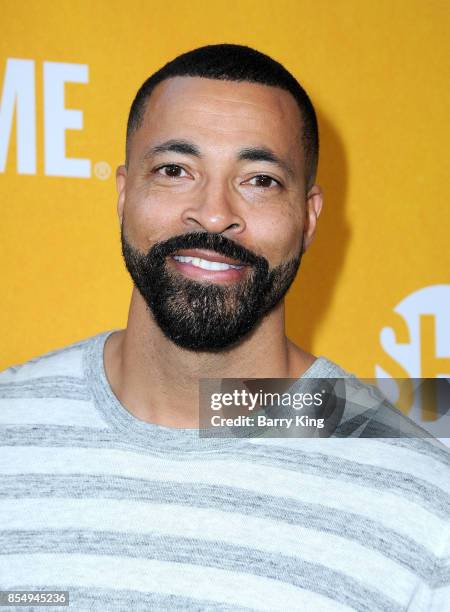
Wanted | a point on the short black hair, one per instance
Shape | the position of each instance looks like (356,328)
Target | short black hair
(230,62)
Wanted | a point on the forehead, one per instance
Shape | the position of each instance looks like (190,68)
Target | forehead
(221,114)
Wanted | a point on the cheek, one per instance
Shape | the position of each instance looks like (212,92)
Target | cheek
(277,236)
(150,217)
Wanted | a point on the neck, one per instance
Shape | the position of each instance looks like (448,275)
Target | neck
(157,381)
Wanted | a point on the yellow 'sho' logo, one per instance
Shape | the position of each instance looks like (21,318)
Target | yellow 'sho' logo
(416,344)
(18,99)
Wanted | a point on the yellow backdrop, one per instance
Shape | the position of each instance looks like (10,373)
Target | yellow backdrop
(373,292)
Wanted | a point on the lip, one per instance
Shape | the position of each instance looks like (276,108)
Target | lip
(214,276)
(209,256)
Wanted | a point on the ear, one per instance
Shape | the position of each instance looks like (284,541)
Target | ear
(314,202)
(121,181)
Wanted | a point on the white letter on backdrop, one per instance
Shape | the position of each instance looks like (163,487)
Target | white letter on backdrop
(19,92)
(58,119)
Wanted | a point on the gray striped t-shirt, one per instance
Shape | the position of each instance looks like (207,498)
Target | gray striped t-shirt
(127,515)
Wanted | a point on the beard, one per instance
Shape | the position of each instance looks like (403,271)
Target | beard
(205,316)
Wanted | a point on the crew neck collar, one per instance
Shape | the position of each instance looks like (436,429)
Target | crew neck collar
(151,434)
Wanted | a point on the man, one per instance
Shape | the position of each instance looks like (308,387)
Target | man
(109,492)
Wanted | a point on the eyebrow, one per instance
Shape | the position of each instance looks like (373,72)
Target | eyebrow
(264,154)
(185,147)
(173,146)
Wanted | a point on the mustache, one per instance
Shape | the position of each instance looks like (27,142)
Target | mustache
(205,240)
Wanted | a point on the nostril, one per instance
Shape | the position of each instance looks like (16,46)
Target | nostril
(233,225)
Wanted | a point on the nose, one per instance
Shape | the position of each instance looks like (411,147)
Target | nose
(215,209)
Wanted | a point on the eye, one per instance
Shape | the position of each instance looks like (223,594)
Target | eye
(265,181)
(171,171)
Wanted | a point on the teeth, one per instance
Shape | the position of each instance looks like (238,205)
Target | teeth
(204,263)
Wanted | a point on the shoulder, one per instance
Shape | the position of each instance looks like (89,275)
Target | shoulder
(43,397)
(323,367)
(57,364)
(364,412)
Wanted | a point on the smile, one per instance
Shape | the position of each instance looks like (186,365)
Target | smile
(205,264)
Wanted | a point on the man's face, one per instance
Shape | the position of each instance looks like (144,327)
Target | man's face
(213,211)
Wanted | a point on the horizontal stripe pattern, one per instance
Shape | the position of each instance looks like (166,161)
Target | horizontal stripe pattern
(100,599)
(46,387)
(181,579)
(191,552)
(432,494)
(54,364)
(209,524)
(325,521)
(385,506)
(128,515)
(58,414)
